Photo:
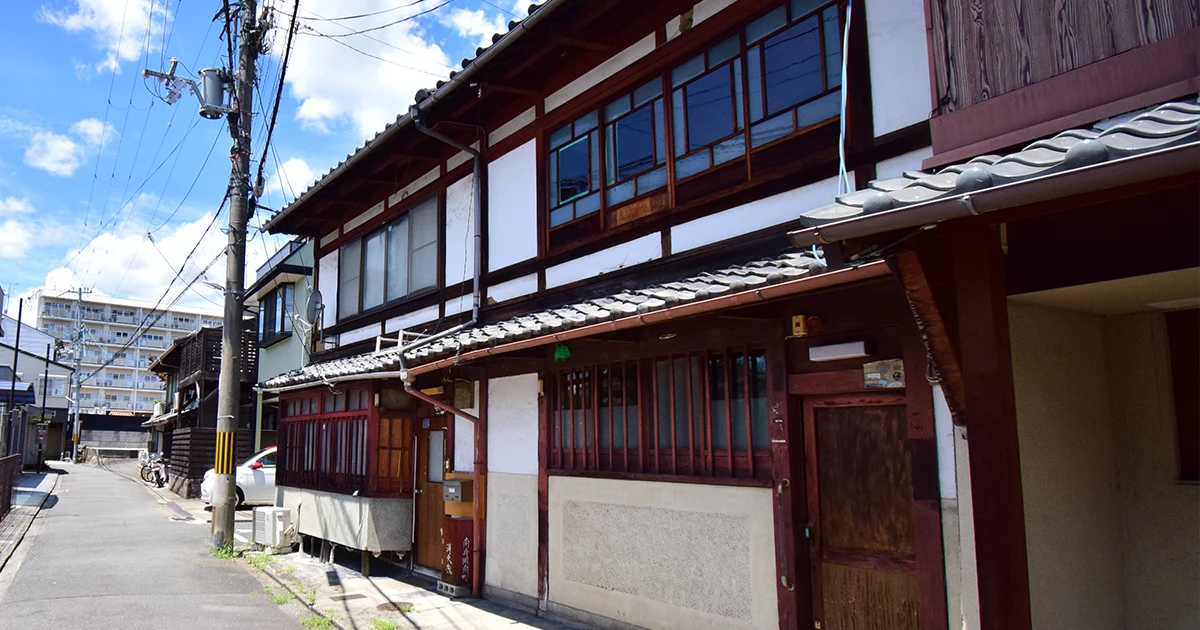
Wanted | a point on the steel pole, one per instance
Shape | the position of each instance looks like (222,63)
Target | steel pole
(12,387)
(76,376)
(229,392)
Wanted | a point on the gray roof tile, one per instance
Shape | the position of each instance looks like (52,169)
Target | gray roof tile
(1165,126)
(648,299)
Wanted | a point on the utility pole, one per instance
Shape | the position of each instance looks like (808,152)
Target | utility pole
(229,392)
(10,409)
(76,377)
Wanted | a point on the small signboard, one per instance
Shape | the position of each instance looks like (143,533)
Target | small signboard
(886,374)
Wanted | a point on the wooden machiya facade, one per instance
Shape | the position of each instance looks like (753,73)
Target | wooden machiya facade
(658,410)
(186,430)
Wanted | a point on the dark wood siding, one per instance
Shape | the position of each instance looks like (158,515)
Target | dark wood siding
(982,49)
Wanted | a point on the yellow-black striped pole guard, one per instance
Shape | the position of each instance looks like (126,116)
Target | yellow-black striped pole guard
(224,455)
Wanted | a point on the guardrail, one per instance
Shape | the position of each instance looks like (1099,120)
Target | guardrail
(10,469)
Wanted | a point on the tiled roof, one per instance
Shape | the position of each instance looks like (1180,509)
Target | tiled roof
(401,119)
(1165,126)
(725,281)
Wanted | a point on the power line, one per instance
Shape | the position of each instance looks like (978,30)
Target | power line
(391,24)
(363,15)
(287,53)
(367,54)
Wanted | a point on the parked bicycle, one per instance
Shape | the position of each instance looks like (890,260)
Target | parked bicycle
(154,469)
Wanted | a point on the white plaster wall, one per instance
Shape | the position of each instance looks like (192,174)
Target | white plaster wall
(417,184)
(626,254)
(515,288)
(460,231)
(1162,516)
(663,555)
(899,60)
(601,72)
(330,237)
(512,207)
(327,283)
(1068,468)
(895,167)
(509,128)
(967,574)
(512,524)
(513,424)
(411,319)
(361,219)
(457,305)
(358,334)
(464,437)
(752,216)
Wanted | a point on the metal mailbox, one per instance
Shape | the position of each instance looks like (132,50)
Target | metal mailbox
(457,491)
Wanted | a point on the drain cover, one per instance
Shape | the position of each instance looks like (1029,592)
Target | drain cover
(342,598)
(394,606)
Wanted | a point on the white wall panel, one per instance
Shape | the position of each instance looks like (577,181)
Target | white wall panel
(896,166)
(460,230)
(330,237)
(755,215)
(414,186)
(899,59)
(512,207)
(515,288)
(412,319)
(327,283)
(605,261)
(601,72)
(512,126)
(358,221)
(513,424)
(460,304)
(359,334)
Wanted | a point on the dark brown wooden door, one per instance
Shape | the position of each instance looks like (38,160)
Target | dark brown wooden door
(860,506)
(431,510)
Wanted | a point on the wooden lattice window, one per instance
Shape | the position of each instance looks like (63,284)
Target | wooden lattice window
(697,413)
(323,441)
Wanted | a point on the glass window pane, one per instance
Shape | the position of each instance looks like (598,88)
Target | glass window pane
(680,380)
(833,47)
(801,8)
(587,205)
(758,400)
(739,115)
(595,178)
(709,108)
(553,166)
(754,79)
(620,193)
(766,25)
(423,267)
(771,129)
(610,155)
(373,261)
(824,108)
(573,171)
(644,94)
(289,307)
(652,180)
(724,51)
(662,395)
(716,385)
(634,143)
(692,164)
(631,407)
(397,276)
(793,65)
(423,219)
(616,108)
(560,136)
(586,123)
(687,70)
(730,149)
(660,133)
(603,387)
(678,119)
(349,261)
(737,395)
(559,216)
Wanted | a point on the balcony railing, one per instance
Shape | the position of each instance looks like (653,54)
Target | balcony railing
(94,316)
(152,343)
(278,257)
(123,319)
(63,313)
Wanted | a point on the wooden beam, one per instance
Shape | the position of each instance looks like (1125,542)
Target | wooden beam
(512,88)
(934,333)
(576,39)
(998,505)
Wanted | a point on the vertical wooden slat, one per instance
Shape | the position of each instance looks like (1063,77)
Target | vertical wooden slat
(611,404)
(729,410)
(571,417)
(746,402)
(674,440)
(706,383)
(594,380)
(625,415)
(691,415)
(584,384)
(643,442)
(655,429)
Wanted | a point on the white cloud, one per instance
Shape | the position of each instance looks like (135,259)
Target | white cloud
(119,28)
(292,178)
(476,23)
(53,153)
(15,240)
(337,86)
(94,132)
(14,205)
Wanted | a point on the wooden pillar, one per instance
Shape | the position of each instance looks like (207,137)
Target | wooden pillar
(479,492)
(792,577)
(1000,551)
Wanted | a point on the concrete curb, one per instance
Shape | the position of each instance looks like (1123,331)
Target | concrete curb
(29,523)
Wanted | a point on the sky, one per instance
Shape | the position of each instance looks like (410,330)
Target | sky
(107,186)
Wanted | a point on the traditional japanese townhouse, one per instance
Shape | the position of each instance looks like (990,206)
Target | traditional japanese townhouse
(559,301)
(185,427)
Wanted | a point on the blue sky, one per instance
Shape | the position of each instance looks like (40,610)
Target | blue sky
(105,185)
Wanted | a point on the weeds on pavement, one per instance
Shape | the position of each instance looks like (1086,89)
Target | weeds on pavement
(259,560)
(384,624)
(224,552)
(316,621)
(282,598)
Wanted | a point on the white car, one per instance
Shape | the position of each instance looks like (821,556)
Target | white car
(255,480)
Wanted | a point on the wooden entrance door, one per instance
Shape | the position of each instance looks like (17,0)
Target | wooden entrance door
(431,510)
(862,541)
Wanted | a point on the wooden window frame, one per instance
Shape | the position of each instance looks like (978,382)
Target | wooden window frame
(559,238)
(281,327)
(576,446)
(605,147)
(552,154)
(438,199)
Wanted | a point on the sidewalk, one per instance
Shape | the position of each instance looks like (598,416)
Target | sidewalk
(32,491)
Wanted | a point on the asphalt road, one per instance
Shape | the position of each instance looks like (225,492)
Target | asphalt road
(103,553)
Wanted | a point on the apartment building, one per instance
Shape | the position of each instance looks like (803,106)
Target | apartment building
(113,358)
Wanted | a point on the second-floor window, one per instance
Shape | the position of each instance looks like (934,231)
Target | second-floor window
(393,262)
(275,320)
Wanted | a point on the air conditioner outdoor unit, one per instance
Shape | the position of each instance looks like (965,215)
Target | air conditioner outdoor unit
(273,527)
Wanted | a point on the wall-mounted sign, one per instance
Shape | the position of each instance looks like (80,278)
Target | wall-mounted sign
(888,373)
